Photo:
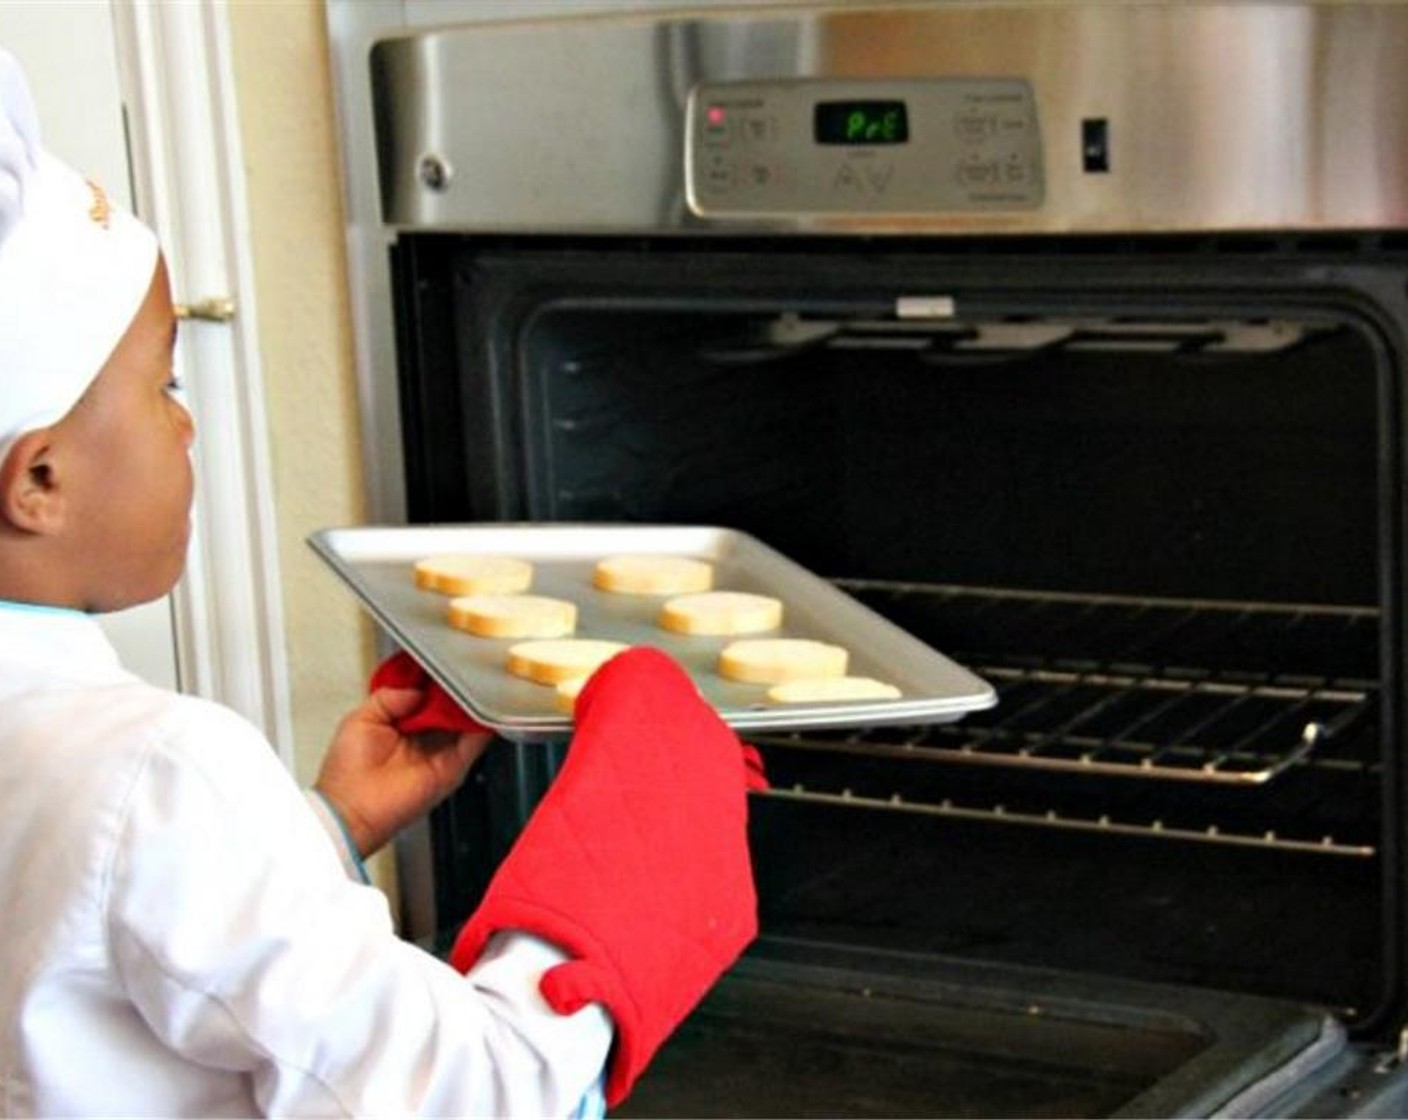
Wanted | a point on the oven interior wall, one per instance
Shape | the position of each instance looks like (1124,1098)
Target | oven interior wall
(1187,472)
(1056,488)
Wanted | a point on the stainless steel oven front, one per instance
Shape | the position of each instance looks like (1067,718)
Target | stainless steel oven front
(1071,336)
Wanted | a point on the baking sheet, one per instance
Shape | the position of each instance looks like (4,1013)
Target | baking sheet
(376,562)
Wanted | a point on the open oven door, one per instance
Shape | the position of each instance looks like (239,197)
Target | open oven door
(802,1029)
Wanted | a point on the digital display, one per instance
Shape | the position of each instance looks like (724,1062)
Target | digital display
(861,122)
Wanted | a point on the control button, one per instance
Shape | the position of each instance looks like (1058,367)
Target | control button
(757,130)
(878,175)
(978,173)
(974,128)
(718,174)
(846,179)
(719,181)
(760,175)
(716,126)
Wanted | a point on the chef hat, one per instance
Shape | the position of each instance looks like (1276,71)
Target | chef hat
(74,269)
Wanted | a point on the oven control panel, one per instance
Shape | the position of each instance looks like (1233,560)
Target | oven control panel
(918,146)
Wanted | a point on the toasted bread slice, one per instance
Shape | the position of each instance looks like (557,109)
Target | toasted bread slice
(773,660)
(513,616)
(466,574)
(653,575)
(552,660)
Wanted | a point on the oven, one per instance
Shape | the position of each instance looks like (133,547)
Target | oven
(1073,338)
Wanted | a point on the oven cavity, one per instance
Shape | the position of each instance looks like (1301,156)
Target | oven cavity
(1153,515)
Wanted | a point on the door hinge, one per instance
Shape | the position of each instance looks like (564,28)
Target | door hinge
(215,309)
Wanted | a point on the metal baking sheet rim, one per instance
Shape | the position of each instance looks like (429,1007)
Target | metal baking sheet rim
(565,541)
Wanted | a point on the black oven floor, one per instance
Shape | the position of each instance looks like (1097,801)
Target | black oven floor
(801,1030)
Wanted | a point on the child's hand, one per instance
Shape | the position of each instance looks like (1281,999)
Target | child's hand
(380,780)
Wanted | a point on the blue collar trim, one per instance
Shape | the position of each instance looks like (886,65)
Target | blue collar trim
(40,608)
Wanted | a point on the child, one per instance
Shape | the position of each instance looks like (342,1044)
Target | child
(186,933)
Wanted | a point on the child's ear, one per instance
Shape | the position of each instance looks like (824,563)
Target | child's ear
(30,497)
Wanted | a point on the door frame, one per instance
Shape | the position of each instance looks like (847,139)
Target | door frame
(184,149)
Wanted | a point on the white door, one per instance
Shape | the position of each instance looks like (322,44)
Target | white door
(70,57)
(173,143)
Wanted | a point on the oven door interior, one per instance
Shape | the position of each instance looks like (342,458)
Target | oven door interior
(801,1029)
(1156,498)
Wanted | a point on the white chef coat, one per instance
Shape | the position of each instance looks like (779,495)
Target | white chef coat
(180,938)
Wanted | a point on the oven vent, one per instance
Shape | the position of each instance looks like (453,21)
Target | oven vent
(1237,696)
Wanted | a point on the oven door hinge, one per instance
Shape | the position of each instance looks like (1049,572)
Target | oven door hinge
(925,307)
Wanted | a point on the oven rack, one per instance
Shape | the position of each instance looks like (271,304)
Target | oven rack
(1284,734)
(1232,694)
(1104,824)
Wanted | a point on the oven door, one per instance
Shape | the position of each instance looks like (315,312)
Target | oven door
(801,1029)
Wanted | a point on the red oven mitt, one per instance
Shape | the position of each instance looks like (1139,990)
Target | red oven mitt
(437,712)
(636,861)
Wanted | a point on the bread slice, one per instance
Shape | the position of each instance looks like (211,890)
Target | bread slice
(513,616)
(831,689)
(721,612)
(473,574)
(773,660)
(653,575)
(568,691)
(557,659)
